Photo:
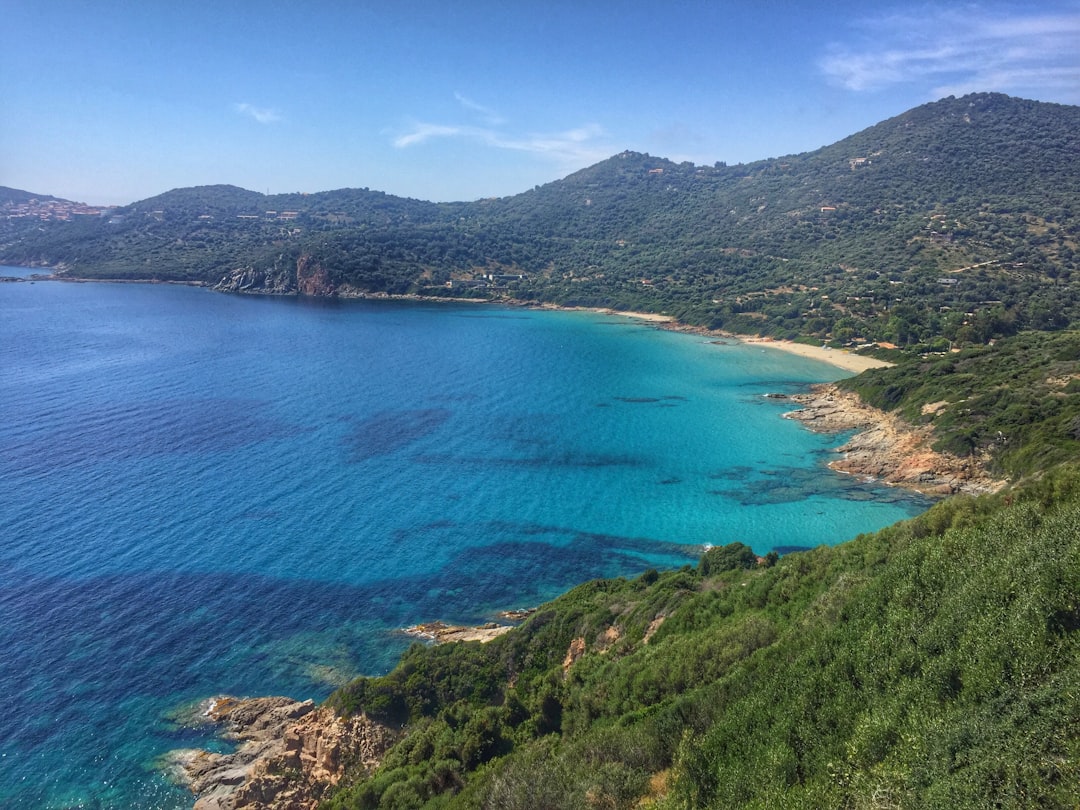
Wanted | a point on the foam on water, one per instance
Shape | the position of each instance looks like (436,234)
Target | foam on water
(208,493)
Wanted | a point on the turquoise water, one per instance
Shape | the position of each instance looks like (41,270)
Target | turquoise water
(206,493)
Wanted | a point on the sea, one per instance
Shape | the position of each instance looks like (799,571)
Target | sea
(206,494)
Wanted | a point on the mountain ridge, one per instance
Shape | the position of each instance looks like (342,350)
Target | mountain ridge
(970,205)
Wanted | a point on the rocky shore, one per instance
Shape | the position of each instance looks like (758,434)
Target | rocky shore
(887,447)
(288,754)
(439,632)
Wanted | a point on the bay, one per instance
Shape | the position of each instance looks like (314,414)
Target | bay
(209,494)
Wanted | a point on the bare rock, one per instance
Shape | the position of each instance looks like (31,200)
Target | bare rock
(288,754)
(888,447)
(573,653)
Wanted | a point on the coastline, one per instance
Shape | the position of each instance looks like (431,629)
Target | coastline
(888,448)
(840,358)
(289,752)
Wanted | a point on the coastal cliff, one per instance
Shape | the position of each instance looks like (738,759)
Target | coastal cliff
(308,277)
(288,754)
(887,447)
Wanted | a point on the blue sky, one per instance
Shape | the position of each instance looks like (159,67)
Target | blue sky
(111,102)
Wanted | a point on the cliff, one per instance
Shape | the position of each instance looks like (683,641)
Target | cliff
(308,277)
(288,754)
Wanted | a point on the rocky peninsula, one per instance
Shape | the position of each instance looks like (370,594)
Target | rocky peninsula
(888,447)
(288,754)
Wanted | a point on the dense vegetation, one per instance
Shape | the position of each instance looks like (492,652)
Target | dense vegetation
(932,664)
(956,222)
(1017,402)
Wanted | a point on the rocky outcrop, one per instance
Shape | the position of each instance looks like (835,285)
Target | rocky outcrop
(308,277)
(312,278)
(442,633)
(439,632)
(251,280)
(288,754)
(889,448)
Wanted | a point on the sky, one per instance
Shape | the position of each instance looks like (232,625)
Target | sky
(113,101)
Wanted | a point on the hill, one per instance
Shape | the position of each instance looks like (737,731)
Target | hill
(16,196)
(954,222)
(932,664)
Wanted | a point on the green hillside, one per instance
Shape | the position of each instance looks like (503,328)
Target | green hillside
(955,222)
(933,664)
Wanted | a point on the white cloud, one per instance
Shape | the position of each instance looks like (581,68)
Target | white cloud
(425,132)
(963,50)
(264,115)
(569,148)
(490,116)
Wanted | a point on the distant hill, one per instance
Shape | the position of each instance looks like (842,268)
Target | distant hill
(954,222)
(25,215)
(14,195)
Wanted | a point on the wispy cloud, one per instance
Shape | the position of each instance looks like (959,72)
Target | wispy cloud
(421,133)
(573,147)
(490,117)
(960,50)
(264,115)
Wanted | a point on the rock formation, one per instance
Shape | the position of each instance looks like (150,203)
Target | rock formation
(443,633)
(288,754)
(312,278)
(308,277)
(889,448)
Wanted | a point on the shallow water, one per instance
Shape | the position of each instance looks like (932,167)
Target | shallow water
(220,494)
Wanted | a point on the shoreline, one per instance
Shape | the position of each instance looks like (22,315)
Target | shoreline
(839,358)
(887,448)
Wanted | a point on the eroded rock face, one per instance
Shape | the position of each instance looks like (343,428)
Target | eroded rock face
(308,277)
(889,448)
(288,754)
(251,280)
(312,278)
(575,651)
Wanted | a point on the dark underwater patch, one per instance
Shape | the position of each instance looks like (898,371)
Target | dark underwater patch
(775,485)
(143,429)
(389,431)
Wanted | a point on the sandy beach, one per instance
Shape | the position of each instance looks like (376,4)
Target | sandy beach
(841,358)
(855,363)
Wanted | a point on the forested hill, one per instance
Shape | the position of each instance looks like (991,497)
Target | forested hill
(954,222)
(933,664)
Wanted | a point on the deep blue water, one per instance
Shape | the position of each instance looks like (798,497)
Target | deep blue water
(207,494)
